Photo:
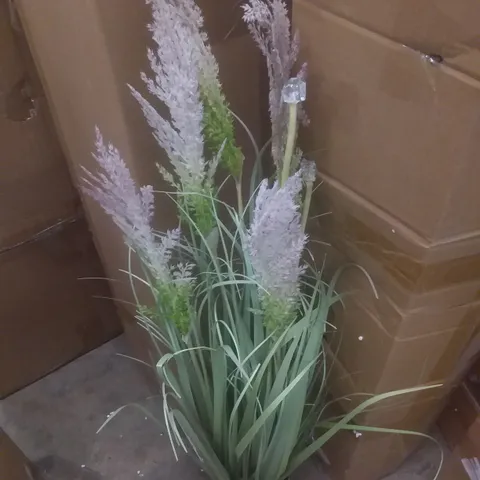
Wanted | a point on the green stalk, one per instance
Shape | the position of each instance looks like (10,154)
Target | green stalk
(238,185)
(290,145)
(306,204)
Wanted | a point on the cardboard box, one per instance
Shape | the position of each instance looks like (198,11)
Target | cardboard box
(394,137)
(404,411)
(460,427)
(13,463)
(369,457)
(373,456)
(411,270)
(49,315)
(223,20)
(453,469)
(421,314)
(86,74)
(441,27)
(380,360)
(389,125)
(35,188)
(360,455)
(460,422)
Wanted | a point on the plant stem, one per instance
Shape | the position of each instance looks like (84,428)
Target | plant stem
(306,204)
(291,135)
(238,185)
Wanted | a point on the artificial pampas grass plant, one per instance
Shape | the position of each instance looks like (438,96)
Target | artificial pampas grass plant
(238,313)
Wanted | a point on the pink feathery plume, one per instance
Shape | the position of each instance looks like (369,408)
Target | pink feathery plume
(276,239)
(269,25)
(130,208)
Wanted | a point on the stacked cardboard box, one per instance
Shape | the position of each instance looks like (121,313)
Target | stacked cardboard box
(460,422)
(460,426)
(395,105)
(87,52)
(13,463)
(47,316)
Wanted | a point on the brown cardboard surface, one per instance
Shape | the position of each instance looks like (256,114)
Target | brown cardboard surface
(460,427)
(453,468)
(369,457)
(397,411)
(409,338)
(394,137)
(223,20)
(412,318)
(85,76)
(378,363)
(406,324)
(49,315)
(410,274)
(13,463)
(460,422)
(391,293)
(141,346)
(35,188)
(437,27)
(386,125)
(352,216)
(351,455)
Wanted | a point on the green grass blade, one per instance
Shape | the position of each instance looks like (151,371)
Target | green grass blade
(393,431)
(247,439)
(319,442)
(199,443)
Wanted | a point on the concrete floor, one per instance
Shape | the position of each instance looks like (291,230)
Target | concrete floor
(54,421)
(58,416)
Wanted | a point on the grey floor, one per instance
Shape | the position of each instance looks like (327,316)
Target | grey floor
(55,421)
